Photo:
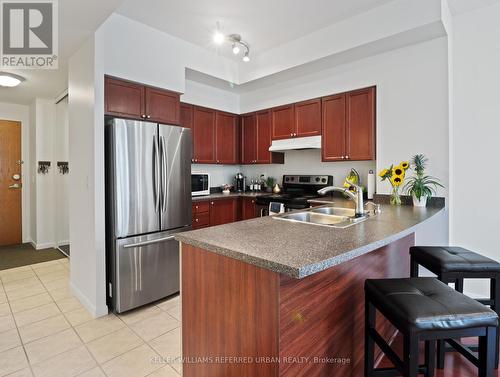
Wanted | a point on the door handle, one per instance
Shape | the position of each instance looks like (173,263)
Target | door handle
(150,242)
(15,186)
(164,172)
(156,174)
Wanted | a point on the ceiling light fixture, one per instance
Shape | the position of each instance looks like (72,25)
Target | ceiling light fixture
(236,43)
(10,80)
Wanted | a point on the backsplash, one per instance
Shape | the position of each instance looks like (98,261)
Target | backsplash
(309,162)
(296,162)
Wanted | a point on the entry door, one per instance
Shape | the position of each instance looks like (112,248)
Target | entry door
(10,183)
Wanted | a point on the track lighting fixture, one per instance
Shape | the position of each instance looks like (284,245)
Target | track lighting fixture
(236,42)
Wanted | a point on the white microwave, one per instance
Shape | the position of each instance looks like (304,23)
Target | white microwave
(200,184)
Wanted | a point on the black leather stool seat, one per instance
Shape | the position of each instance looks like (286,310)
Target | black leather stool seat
(422,304)
(452,259)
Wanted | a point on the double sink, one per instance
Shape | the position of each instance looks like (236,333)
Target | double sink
(335,217)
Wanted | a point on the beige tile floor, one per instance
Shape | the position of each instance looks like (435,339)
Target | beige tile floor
(45,331)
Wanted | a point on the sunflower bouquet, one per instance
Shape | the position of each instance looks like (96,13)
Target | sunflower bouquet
(396,176)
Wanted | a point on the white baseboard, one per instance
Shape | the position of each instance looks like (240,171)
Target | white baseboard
(46,245)
(95,312)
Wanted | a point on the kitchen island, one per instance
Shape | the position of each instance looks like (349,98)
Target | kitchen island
(269,297)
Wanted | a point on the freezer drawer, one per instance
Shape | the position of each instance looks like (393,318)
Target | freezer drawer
(147,269)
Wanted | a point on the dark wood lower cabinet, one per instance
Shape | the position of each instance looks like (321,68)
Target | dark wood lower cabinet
(248,209)
(314,325)
(223,211)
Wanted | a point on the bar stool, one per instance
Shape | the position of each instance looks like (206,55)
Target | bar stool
(453,265)
(425,309)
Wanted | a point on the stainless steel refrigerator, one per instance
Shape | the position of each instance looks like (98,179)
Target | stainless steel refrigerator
(148,201)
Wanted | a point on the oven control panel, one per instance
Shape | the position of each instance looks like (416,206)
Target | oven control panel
(308,179)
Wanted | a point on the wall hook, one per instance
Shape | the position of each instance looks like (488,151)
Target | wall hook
(63,167)
(43,167)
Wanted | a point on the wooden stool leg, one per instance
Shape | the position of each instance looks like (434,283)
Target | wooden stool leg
(487,349)
(410,350)
(430,357)
(495,297)
(369,342)
(413,268)
(441,345)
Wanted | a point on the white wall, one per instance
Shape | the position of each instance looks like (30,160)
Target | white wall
(86,210)
(61,153)
(209,96)
(43,137)
(21,113)
(143,54)
(476,131)
(412,111)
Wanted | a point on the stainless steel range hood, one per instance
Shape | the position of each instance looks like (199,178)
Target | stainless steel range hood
(310,142)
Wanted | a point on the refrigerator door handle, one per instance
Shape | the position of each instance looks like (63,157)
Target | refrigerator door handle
(156,173)
(164,173)
(150,242)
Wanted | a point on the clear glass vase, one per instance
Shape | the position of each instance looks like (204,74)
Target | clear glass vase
(395,197)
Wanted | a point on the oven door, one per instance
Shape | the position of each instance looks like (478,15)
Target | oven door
(200,184)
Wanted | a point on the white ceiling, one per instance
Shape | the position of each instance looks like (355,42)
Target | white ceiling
(77,21)
(462,6)
(264,24)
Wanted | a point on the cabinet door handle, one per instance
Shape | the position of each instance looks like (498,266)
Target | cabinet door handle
(196,207)
(148,116)
(346,157)
(212,203)
(342,157)
(143,116)
(196,220)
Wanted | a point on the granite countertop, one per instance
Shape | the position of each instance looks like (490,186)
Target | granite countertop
(220,195)
(298,249)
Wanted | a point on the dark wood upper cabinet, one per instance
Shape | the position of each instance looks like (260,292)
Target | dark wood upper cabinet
(283,122)
(349,126)
(334,128)
(132,100)
(186,115)
(226,138)
(256,139)
(263,140)
(203,135)
(124,99)
(308,118)
(248,139)
(223,211)
(162,106)
(360,120)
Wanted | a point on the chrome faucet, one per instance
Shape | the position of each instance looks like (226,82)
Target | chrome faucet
(357,196)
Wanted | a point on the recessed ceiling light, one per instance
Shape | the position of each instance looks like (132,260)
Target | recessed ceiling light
(218,36)
(236,49)
(10,80)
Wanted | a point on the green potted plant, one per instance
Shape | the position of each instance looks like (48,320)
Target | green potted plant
(269,184)
(421,187)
